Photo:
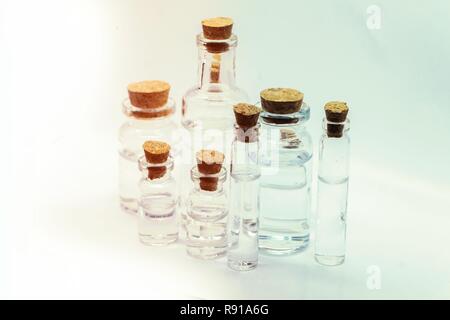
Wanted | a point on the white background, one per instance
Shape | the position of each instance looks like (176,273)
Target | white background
(64,67)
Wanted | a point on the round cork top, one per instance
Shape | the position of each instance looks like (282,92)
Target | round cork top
(246,109)
(210,157)
(156,147)
(149,86)
(217,22)
(336,107)
(219,28)
(281,95)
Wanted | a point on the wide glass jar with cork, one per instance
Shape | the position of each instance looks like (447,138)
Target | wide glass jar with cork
(286,153)
(149,113)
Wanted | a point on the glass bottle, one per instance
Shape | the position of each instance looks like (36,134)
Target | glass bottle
(244,205)
(157,203)
(332,193)
(286,152)
(207,212)
(207,108)
(141,125)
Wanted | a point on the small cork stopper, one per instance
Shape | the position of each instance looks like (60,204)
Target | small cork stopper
(218,28)
(336,111)
(246,115)
(281,100)
(156,152)
(149,94)
(209,162)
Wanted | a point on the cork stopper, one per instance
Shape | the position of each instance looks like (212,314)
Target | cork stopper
(215,69)
(336,112)
(246,115)
(218,28)
(209,162)
(156,152)
(281,100)
(149,94)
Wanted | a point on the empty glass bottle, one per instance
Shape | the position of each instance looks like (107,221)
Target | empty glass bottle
(207,213)
(286,152)
(332,193)
(158,203)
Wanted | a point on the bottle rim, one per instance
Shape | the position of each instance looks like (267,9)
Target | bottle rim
(149,113)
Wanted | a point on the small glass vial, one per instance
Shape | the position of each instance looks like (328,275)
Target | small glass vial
(207,212)
(158,203)
(245,190)
(286,153)
(142,124)
(334,152)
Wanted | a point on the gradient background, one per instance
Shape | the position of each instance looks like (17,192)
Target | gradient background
(64,67)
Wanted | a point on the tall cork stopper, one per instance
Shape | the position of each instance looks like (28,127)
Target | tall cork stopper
(156,152)
(149,94)
(209,162)
(336,114)
(281,100)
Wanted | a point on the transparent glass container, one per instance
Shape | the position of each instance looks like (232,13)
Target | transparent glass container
(332,194)
(207,213)
(244,200)
(286,172)
(142,125)
(157,205)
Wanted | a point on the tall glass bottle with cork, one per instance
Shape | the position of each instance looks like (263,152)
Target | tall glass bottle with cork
(149,115)
(332,192)
(286,152)
(207,108)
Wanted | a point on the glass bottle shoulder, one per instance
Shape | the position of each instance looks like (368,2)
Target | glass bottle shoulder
(211,107)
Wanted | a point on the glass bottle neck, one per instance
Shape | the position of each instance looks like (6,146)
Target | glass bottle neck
(216,63)
(335,129)
(208,183)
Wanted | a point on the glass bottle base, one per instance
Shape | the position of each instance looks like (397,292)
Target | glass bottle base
(241,265)
(282,244)
(206,253)
(150,240)
(129,205)
(329,260)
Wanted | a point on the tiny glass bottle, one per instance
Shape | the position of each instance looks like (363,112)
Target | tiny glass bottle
(245,190)
(286,173)
(158,202)
(142,124)
(207,212)
(332,192)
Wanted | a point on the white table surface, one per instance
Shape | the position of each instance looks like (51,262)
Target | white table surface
(62,234)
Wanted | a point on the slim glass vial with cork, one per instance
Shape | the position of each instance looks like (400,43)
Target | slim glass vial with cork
(286,153)
(244,190)
(158,202)
(332,192)
(149,112)
(207,207)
